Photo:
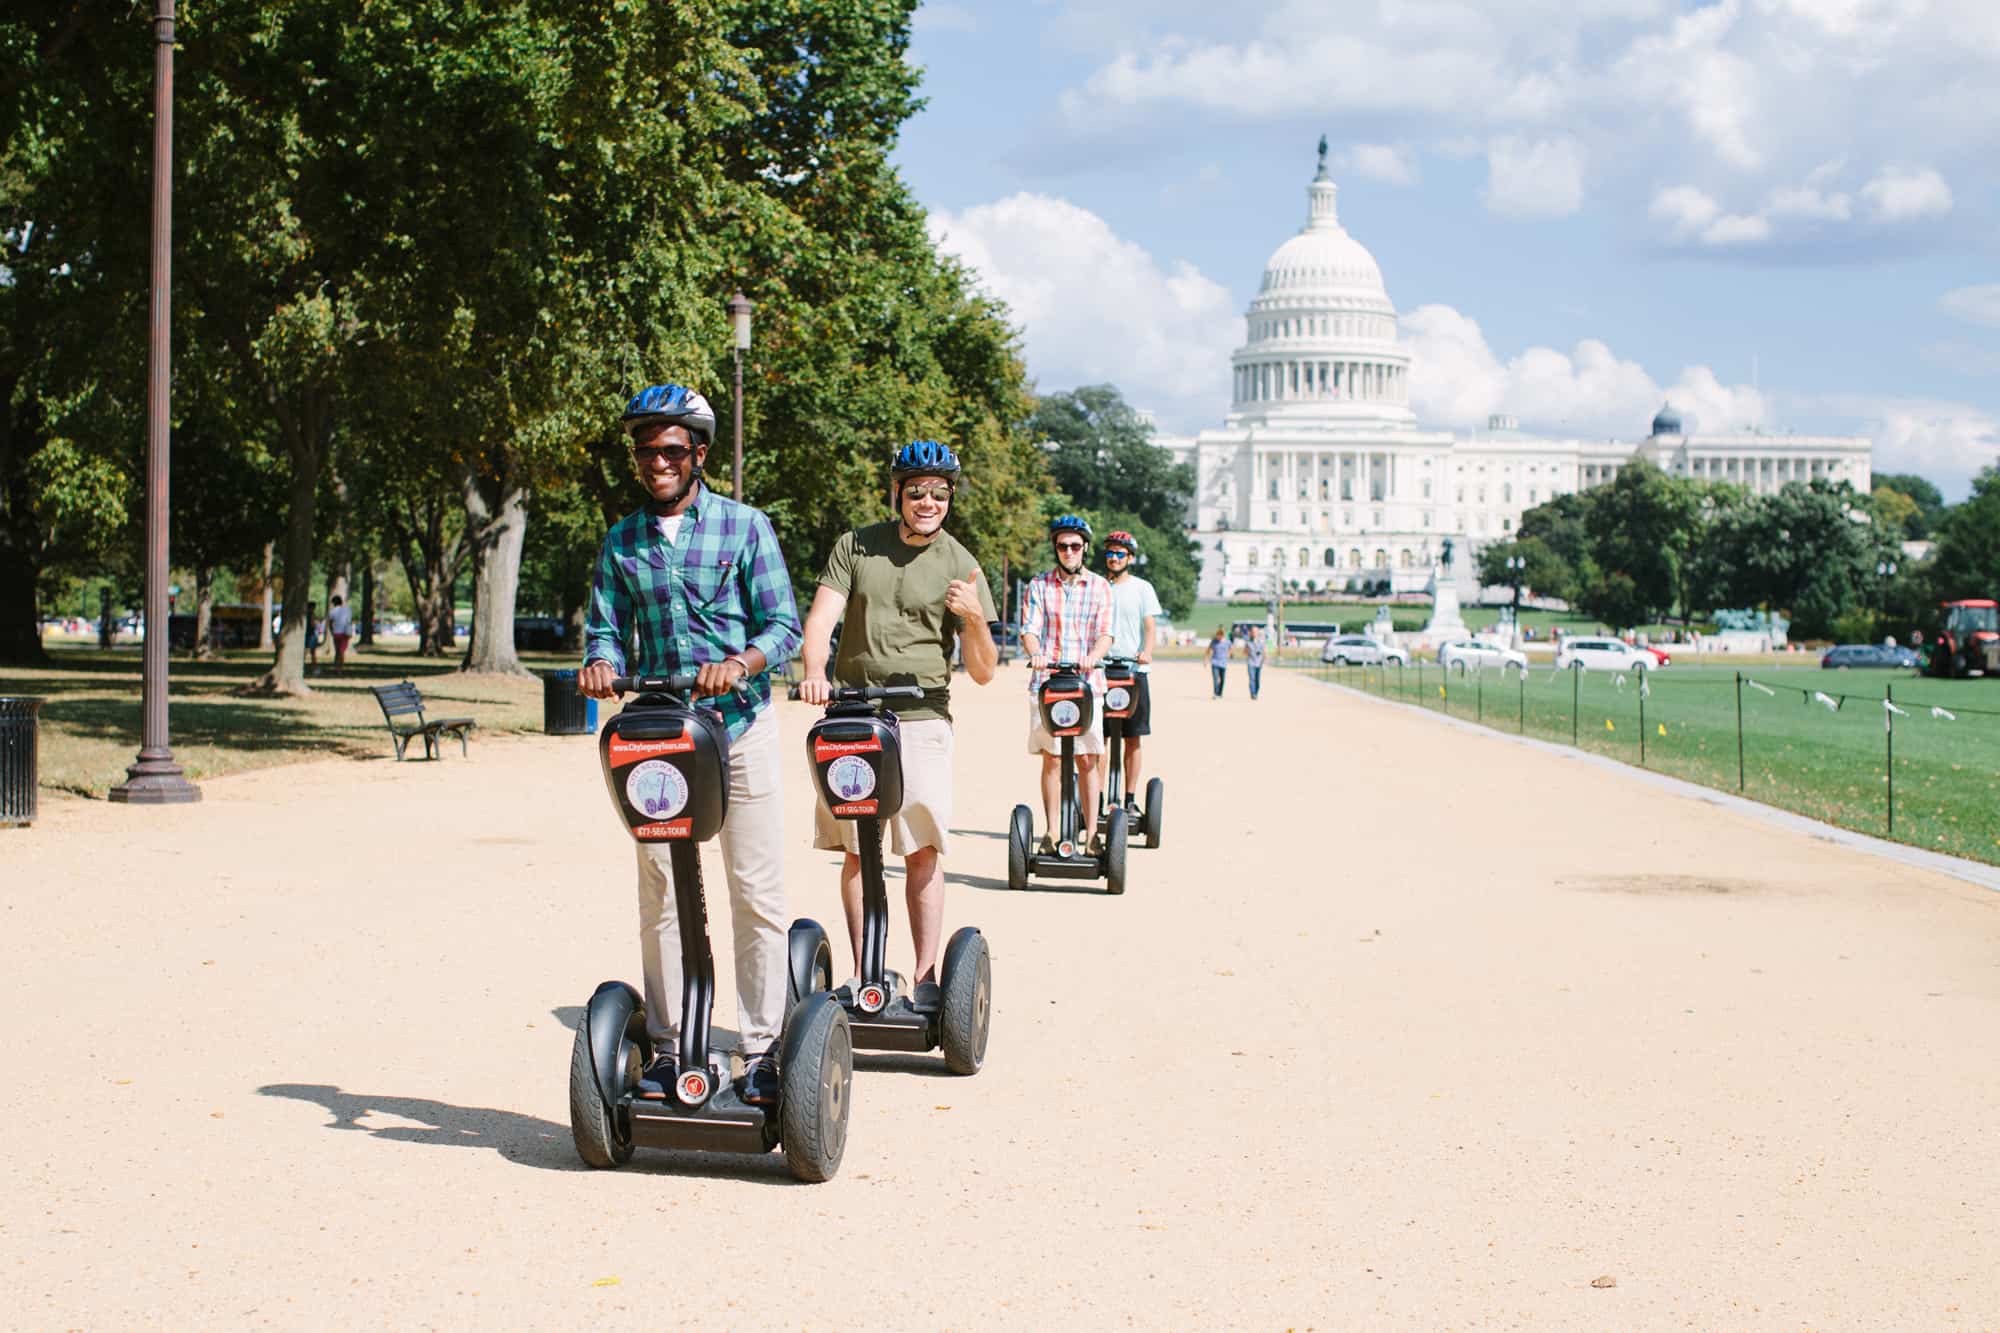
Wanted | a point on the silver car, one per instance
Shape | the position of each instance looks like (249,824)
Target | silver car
(1360,650)
(1473,655)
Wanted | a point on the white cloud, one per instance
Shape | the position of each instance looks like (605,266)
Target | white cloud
(1457,380)
(1945,443)
(1096,308)
(1380,161)
(1691,215)
(1903,195)
(1541,178)
(1979,303)
(1746,99)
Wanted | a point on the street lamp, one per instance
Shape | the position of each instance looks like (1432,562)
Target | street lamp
(155,779)
(739,316)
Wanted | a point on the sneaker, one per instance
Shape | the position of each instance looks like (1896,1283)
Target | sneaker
(659,1076)
(1048,846)
(759,1084)
(1132,810)
(1097,844)
(927,998)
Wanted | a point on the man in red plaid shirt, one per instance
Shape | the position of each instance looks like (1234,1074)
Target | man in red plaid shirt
(1066,617)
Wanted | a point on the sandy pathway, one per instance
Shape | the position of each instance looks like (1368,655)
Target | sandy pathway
(1404,1027)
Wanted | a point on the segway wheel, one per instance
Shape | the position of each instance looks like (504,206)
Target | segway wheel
(1114,853)
(610,1019)
(1020,837)
(815,1078)
(810,962)
(1156,810)
(968,1001)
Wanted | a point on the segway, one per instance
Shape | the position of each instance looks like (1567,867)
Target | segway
(666,765)
(857,760)
(1121,700)
(1065,699)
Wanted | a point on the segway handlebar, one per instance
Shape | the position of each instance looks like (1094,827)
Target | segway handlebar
(868,694)
(677,682)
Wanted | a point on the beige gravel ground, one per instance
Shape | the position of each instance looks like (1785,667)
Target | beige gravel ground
(297,1056)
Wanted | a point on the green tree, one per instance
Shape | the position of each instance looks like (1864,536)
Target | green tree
(1967,561)
(1929,502)
(1561,524)
(1101,453)
(1545,573)
(1809,549)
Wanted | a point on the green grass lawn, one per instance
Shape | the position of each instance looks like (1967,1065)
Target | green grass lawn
(1797,754)
(90,724)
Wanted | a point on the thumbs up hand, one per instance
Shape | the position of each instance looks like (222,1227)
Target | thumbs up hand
(961,598)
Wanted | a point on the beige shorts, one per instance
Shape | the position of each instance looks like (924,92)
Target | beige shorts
(1040,742)
(926,812)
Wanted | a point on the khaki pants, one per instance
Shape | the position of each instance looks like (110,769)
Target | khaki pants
(752,842)
(926,814)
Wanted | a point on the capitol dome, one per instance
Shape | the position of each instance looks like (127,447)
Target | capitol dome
(1322,330)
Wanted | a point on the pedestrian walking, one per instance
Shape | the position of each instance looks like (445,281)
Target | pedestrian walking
(340,623)
(1218,659)
(1253,660)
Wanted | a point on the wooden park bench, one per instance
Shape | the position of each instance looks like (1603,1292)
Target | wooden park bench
(405,700)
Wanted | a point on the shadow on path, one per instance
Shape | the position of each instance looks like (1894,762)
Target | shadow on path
(522,1139)
(902,1062)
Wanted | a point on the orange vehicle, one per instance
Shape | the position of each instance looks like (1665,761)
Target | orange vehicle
(1970,644)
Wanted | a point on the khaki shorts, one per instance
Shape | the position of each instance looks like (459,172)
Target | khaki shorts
(1087,742)
(926,812)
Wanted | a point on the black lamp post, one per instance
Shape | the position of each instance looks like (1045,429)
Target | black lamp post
(156,779)
(739,317)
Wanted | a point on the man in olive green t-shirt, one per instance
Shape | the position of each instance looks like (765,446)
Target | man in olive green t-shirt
(904,593)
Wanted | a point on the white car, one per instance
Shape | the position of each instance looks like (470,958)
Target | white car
(1603,655)
(1473,655)
(1360,650)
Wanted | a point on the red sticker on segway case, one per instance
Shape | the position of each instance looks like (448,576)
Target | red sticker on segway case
(663,830)
(624,751)
(823,750)
(855,808)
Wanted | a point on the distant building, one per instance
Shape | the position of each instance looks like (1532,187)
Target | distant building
(1321,474)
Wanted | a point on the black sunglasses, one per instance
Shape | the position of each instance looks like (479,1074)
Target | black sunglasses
(673,453)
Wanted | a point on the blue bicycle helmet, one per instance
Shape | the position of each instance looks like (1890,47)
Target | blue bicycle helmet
(671,405)
(1070,523)
(925,458)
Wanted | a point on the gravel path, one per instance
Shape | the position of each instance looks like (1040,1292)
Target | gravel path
(1404,1027)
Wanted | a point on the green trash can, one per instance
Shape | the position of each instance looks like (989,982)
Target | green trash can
(19,743)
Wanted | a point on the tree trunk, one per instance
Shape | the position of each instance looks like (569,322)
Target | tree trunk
(204,613)
(288,673)
(264,625)
(367,639)
(20,622)
(337,583)
(496,513)
(431,564)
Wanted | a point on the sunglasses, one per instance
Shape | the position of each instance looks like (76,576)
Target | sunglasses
(1115,554)
(939,491)
(676,454)
(1069,546)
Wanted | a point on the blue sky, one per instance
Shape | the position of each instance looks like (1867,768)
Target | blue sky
(1780,213)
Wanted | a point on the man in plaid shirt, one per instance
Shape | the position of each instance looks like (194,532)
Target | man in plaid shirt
(695,581)
(1066,617)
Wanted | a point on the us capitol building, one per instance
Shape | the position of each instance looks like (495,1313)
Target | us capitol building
(1321,473)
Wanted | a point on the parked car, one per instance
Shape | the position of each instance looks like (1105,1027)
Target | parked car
(1603,655)
(1360,650)
(1848,655)
(1473,654)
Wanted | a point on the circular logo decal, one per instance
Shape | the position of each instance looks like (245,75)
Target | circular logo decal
(1117,697)
(1064,712)
(656,788)
(850,777)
